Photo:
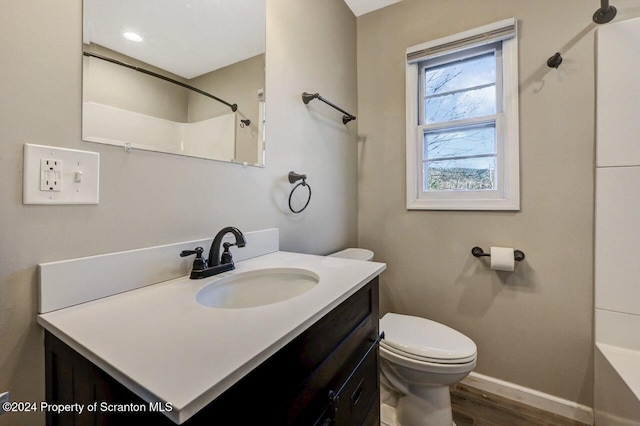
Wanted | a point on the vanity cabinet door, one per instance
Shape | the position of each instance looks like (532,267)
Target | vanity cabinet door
(72,379)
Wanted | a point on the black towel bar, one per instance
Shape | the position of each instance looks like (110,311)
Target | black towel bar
(308,97)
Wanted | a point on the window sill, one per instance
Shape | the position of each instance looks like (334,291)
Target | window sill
(461,204)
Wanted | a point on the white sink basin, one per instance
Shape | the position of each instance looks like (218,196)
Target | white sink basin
(257,288)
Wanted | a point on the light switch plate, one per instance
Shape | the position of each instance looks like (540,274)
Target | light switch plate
(76,174)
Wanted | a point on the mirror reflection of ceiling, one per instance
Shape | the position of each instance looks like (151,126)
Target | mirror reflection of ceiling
(175,32)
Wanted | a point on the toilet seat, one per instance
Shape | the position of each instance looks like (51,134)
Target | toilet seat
(414,359)
(426,341)
(396,359)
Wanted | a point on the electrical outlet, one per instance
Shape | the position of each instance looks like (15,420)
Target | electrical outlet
(54,175)
(4,397)
(50,174)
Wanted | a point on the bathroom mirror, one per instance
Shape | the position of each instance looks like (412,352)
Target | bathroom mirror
(177,76)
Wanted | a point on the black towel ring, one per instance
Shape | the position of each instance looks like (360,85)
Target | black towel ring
(293,177)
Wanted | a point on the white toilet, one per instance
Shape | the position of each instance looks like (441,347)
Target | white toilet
(419,360)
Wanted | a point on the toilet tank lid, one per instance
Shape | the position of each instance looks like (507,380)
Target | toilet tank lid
(425,338)
(354,253)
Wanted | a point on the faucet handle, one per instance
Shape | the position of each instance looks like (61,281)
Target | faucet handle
(199,263)
(226,254)
(197,251)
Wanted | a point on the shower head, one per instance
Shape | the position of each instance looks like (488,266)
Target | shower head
(605,14)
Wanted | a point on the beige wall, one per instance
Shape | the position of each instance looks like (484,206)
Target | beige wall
(533,327)
(40,83)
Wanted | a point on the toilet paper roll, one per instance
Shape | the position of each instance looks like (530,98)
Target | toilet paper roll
(502,259)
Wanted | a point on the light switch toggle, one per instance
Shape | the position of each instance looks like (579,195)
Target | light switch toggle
(77,177)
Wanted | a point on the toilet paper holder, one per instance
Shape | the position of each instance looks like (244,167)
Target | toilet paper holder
(518,255)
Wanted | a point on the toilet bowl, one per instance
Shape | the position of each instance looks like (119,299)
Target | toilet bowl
(419,360)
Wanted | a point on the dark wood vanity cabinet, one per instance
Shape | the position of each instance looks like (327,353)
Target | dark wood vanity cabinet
(328,375)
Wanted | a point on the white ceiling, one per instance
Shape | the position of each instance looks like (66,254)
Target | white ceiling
(360,7)
(187,37)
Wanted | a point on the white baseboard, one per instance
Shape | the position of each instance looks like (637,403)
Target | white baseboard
(553,404)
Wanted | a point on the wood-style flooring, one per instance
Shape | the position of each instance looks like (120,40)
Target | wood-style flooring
(472,407)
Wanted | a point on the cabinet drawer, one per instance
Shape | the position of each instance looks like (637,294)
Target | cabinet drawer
(350,403)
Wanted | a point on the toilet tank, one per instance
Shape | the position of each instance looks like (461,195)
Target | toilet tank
(354,253)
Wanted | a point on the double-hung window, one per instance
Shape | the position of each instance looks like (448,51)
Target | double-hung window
(462,121)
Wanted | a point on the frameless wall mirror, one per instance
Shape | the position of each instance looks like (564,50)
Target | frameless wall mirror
(177,76)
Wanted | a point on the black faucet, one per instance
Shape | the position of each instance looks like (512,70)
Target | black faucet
(216,263)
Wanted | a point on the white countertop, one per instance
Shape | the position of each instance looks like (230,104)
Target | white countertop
(164,346)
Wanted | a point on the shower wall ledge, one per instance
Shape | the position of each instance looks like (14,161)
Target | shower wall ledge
(626,362)
(617,368)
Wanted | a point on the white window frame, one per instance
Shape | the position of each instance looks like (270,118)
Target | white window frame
(507,194)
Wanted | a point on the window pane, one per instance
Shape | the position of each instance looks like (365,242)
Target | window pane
(462,74)
(465,141)
(471,174)
(459,105)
